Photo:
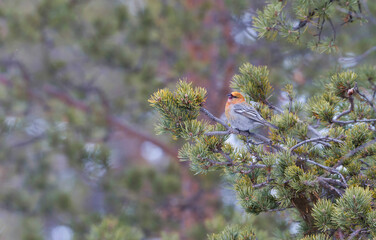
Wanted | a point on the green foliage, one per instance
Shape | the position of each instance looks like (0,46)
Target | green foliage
(341,83)
(73,111)
(112,229)
(351,210)
(233,233)
(371,222)
(178,109)
(253,81)
(269,21)
(316,237)
(323,107)
(254,200)
(323,213)
(316,18)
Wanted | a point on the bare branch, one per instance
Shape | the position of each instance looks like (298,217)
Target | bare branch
(329,187)
(334,182)
(369,17)
(353,121)
(219,133)
(333,28)
(355,233)
(351,108)
(331,170)
(364,97)
(320,29)
(28,141)
(260,185)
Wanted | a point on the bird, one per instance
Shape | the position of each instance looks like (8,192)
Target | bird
(241,115)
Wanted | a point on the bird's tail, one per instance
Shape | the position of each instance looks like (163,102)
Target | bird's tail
(271,125)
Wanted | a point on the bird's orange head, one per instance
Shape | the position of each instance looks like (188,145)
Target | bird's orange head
(235,97)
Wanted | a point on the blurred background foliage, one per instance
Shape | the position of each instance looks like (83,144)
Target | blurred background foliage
(78,154)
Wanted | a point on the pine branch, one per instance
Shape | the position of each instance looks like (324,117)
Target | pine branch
(354,151)
(353,121)
(351,108)
(230,163)
(333,182)
(331,170)
(326,185)
(260,185)
(215,119)
(319,139)
(278,209)
(218,133)
(355,233)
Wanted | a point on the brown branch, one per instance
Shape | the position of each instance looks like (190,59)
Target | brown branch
(70,101)
(135,132)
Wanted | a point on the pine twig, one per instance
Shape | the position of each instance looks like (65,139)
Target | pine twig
(214,118)
(324,182)
(353,121)
(331,170)
(355,233)
(364,97)
(351,108)
(319,139)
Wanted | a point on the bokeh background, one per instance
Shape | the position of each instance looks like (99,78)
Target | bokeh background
(79,158)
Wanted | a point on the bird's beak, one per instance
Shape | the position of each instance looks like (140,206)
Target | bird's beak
(229,95)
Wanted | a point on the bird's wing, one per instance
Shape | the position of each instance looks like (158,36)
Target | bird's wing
(249,112)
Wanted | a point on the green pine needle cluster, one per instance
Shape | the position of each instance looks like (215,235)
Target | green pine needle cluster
(253,81)
(352,211)
(178,109)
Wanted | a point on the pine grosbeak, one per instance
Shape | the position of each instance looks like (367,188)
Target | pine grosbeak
(242,115)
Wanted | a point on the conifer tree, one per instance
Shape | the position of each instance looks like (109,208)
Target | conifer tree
(320,161)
